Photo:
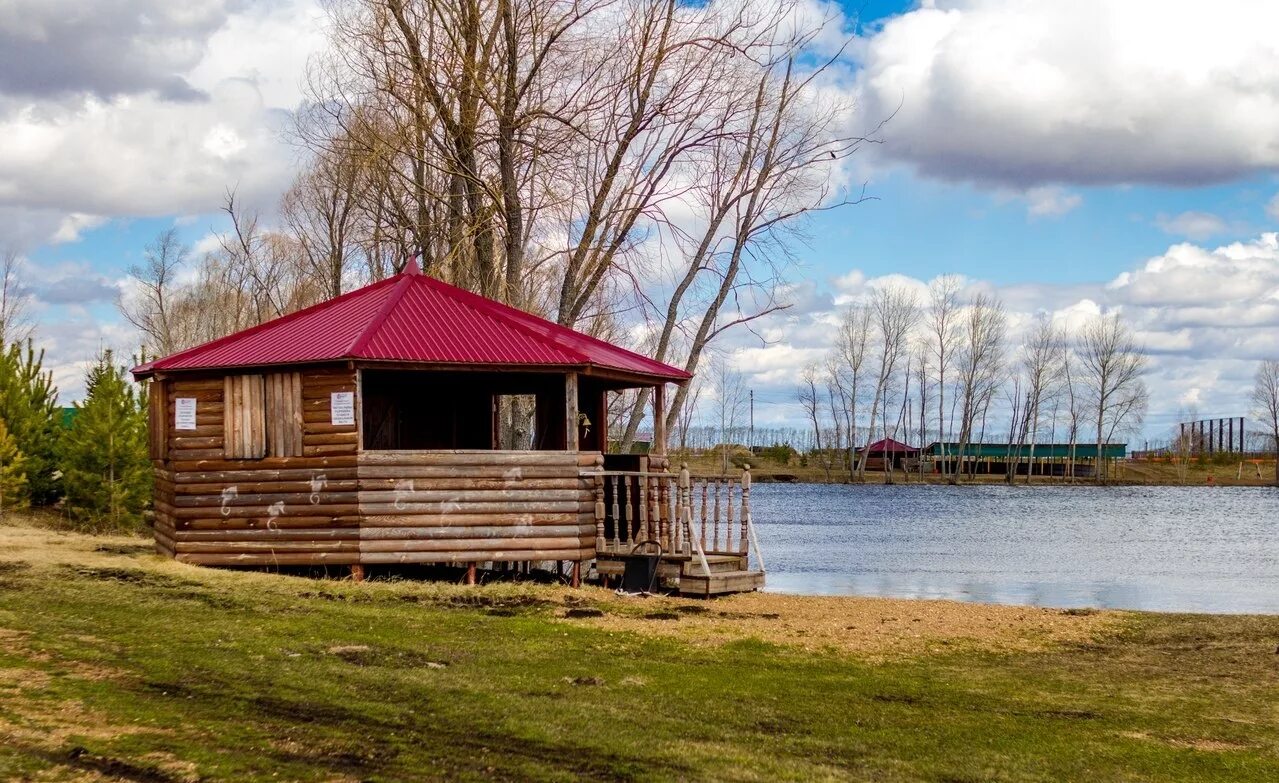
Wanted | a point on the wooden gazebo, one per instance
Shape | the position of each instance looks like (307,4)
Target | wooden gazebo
(364,430)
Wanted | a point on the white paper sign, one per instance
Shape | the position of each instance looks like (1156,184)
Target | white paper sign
(342,408)
(184,413)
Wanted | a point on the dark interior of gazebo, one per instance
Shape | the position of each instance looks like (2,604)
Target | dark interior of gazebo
(431,409)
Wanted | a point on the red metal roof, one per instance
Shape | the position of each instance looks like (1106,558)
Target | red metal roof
(888,445)
(412,318)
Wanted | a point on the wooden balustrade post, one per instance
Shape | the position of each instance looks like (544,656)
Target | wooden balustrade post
(470,573)
(715,520)
(746,507)
(730,511)
(643,535)
(684,510)
(617,517)
(599,503)
(659,526)
(628,542)
(706,488)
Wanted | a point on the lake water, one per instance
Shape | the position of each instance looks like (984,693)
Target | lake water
(1194,549)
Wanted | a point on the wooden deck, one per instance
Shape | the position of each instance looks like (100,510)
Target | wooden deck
(702,525)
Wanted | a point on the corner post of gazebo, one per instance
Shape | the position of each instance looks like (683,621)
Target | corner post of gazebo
(659,420)
(571,429)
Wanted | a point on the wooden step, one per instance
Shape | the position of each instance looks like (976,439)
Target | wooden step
(720,583)
(719,564)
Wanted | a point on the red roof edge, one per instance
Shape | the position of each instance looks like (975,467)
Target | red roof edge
(159,364)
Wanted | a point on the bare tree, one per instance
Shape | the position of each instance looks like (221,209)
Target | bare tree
(730,404)
(943,333)
(979,364)
(810,400)
(894,312)
(1265,403)
(851,346)
(1042,355)
(1112,365)
(688,414)
(15,317)
(923,376)
(151,307)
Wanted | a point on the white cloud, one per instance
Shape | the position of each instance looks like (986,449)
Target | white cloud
(1192,225)
(1023,93)
(145,107)
(1051,201)
(72,225)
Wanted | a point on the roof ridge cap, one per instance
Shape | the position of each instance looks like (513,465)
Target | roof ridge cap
(362,340)
(219,341)
(478,304)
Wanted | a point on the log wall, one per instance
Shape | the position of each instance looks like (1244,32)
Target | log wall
(278,510)
(334,504)
(475,506)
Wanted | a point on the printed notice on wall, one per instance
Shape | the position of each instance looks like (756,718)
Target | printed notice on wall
(184,413)
(342,408)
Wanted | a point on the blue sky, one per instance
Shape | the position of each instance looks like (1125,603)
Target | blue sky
(1074,157)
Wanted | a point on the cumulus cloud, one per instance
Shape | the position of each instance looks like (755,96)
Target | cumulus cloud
(1024,93)
(124,108)
(1051,201)
(1192,225)
(105,48)
(1272,207)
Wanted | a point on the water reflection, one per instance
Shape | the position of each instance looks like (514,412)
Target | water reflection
(1200,549)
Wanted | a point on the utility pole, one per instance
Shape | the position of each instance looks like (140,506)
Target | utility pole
(751,437)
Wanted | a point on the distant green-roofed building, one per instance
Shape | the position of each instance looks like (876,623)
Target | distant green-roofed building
(1041,450)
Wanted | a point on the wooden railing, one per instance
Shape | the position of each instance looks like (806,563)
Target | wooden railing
(686,515)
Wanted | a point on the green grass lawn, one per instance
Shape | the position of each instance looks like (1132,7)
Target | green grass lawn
(116,665)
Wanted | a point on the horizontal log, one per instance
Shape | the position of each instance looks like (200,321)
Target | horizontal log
(180,442)
(202,430)
(268,523)
(267,463)
(454,532)
(485,458)
(477,508)
(191,455)
(161,549)
(472,484)
(205,512)
(266,487)
(473,544)
(442,520)
(164,539)
(324,451)
(200,395)
(330,438)
(265,474)
(324,374)
(512,473)
(258,559)
(320,425)
(325,393)
(232,547)
(289,499)
(202,384)
(562,495)
(476,556)
(282,534)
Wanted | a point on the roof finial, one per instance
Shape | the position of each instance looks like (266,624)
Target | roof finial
(411,267)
